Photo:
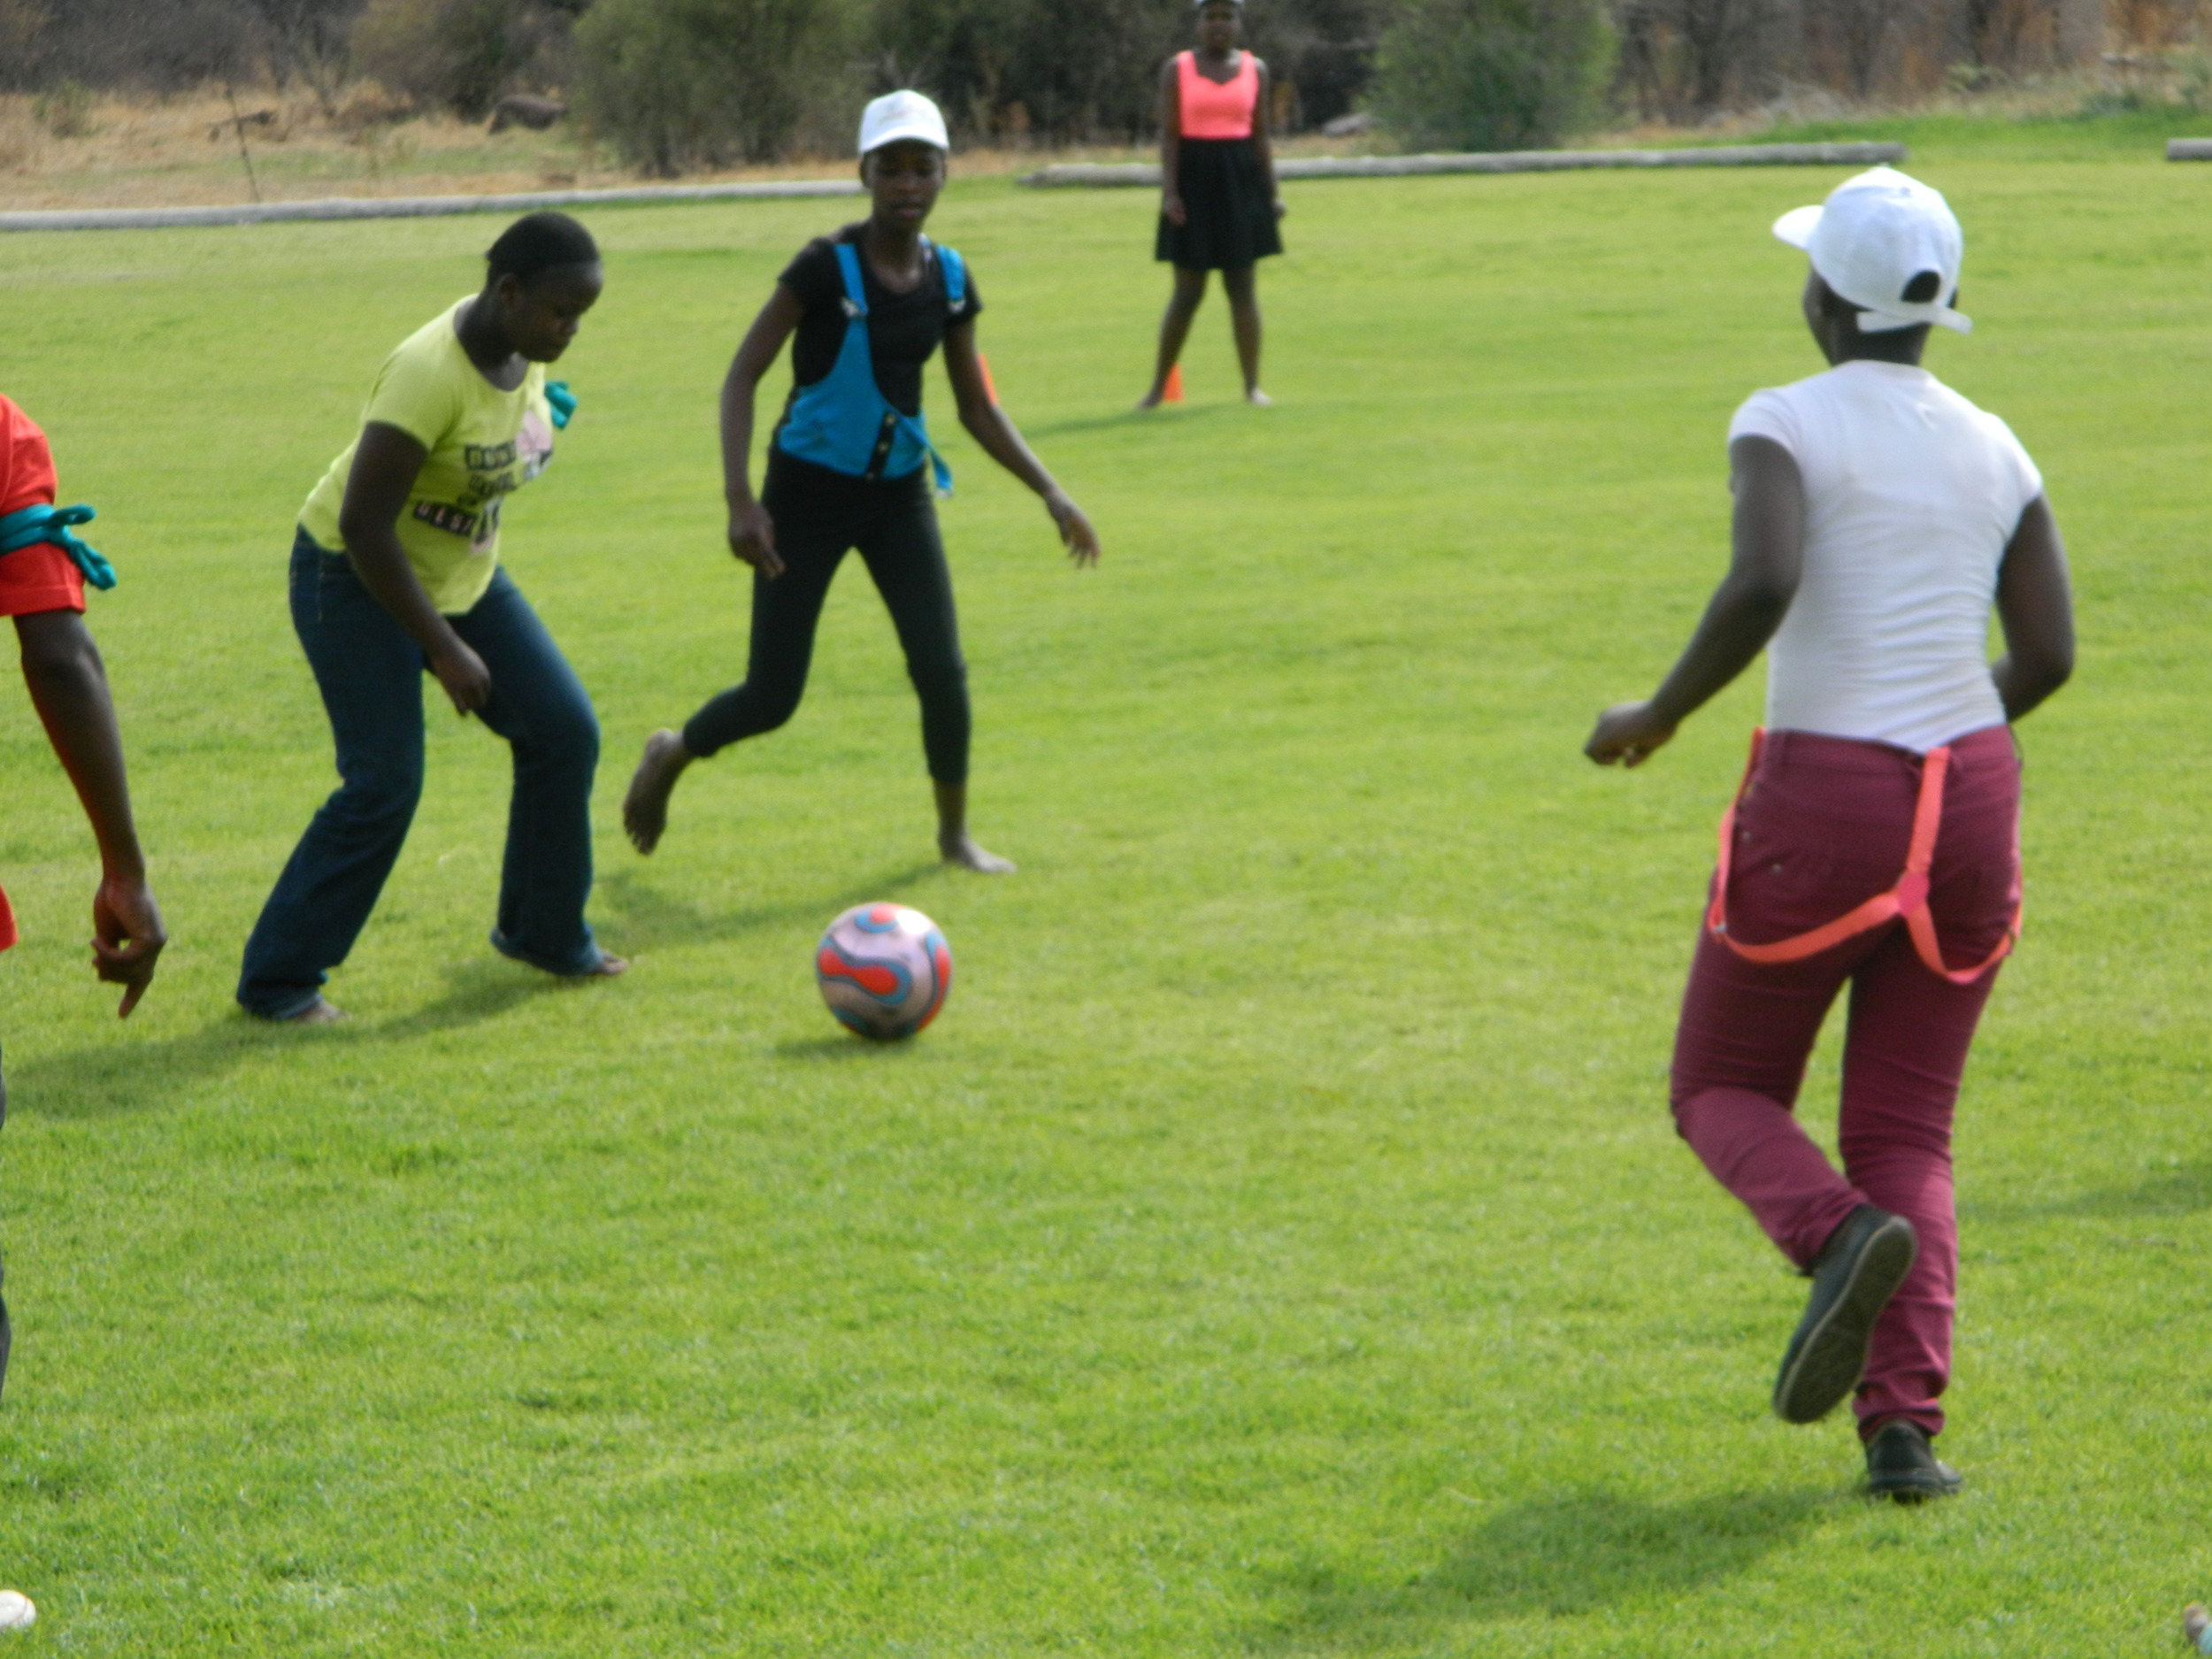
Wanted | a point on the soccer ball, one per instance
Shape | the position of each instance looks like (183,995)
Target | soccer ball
(884,970)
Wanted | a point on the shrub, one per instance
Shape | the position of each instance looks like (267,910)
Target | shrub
(21,22)
(458,55)
(1489,74)
(1067,70)
(677,84)
(1072,71)
(66,111)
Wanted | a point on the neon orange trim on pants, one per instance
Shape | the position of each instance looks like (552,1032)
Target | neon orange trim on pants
(1908,898)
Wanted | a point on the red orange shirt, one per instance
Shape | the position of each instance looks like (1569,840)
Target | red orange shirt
(40,577)
(37,577)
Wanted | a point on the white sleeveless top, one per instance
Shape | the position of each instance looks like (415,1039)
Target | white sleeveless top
(1911,497)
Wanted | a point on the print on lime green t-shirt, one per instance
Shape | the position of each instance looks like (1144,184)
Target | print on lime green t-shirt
(481,445)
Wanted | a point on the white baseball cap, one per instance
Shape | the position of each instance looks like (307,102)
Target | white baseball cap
(1874,237)
(897,115)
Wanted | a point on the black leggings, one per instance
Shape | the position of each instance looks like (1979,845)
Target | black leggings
(895,527)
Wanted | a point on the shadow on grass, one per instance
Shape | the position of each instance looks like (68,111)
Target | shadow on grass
(840,1047)
(114,1078)
(2180,1191)
(475,991)
(1131,417)
(641,917)
(1553,1557)
(128,1076)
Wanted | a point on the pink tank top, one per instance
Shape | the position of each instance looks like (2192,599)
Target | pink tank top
(1216,108)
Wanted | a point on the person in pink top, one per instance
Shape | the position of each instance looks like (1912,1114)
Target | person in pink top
(1217,199)
(1874,843)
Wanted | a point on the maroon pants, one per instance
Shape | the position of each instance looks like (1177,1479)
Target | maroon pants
(1822,826)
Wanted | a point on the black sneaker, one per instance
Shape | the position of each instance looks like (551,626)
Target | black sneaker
(1858,1271)
(1902,1465)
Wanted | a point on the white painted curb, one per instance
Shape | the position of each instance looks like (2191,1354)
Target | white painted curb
(412,206)
(1856,155)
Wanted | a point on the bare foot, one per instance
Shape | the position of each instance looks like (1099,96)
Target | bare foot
(316,1013)
(967,856)
(1259,399)
(645,808)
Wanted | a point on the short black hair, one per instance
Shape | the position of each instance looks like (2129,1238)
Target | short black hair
(538,243)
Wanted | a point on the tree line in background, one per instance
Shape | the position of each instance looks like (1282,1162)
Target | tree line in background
(679,84)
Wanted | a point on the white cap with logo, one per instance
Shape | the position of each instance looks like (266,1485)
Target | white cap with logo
(902,115)
(1878,237)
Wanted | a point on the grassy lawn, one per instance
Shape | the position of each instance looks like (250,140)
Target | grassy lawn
(1279,1246)
(2102,130)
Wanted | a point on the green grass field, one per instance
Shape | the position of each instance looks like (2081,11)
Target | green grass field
(1279,1246)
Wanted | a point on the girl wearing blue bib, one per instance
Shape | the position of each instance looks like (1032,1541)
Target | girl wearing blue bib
(850,467)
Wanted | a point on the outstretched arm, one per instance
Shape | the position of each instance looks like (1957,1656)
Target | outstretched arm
(2036,611)
(988,426)
(1768,540)
(752,533)
(69,687)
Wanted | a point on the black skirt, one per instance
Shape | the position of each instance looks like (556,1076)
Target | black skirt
(1228,216)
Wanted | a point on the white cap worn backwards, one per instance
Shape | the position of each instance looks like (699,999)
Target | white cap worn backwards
(1878,237)
(902,115)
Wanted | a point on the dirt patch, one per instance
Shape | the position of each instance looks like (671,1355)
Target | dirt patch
(185,151)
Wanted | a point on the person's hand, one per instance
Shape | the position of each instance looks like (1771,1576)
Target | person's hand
(126,937)
(1076,534)
(753,539)
(462,674)
(1172,208)
(1280,209)
(1628,733)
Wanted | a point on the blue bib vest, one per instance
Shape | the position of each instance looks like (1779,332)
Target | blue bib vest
(843,421)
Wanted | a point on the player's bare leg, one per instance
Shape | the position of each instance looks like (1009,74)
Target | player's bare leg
(953,843)
(1244,316)
(645,808)
(1182,305)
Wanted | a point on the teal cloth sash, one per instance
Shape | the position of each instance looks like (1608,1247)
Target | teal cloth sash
(35,524)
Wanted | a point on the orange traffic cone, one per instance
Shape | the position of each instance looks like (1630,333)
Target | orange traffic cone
(1174,393)
(989,390)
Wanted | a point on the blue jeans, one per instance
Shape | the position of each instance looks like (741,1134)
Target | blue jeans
(371,676)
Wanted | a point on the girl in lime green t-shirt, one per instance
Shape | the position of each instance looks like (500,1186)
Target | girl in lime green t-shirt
(395,571)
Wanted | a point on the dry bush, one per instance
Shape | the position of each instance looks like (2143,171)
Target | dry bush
(66,111)
(2155,25)
(678,85)
(458,55)
(365,105)
(22,140)
(2012,36)
(1489,74)
(1692,59)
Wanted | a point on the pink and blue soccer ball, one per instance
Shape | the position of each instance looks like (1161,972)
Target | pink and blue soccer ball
(883,970)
